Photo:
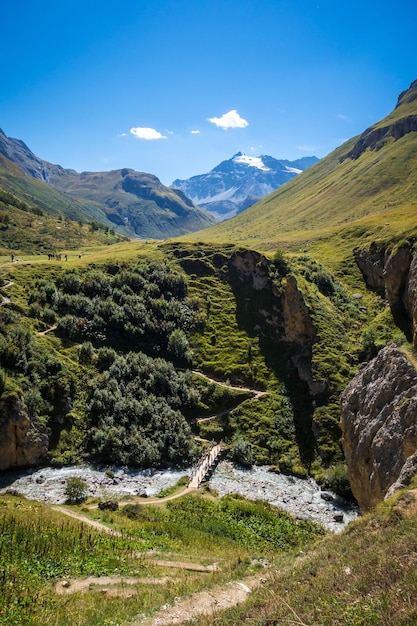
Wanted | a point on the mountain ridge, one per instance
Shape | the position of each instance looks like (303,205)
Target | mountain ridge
(237,183)
(136,203)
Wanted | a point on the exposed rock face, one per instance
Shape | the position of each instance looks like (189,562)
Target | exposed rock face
(374,138)
(379,426)
(385,272)
(274,310)
(394,276)
(22,443)
(410,296)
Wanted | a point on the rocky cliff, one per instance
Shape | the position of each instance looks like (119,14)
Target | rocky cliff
(394,275)
(273,306)
(22,443)
(375,138)
(379,426)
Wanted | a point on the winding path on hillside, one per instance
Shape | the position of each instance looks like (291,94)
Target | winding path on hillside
(195,567)
(257,393)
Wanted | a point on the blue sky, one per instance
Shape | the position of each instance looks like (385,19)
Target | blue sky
(174,87)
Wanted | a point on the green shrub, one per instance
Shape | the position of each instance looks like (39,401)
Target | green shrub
(336,479)
(242,451)
(76,490)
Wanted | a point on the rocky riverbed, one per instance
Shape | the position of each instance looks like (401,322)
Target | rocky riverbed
(301,498)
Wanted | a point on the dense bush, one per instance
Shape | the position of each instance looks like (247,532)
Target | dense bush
(135,408)
(142,307)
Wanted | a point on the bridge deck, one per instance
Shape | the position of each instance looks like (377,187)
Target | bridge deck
(203,467)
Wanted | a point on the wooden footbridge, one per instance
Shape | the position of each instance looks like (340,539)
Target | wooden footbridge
(205,465)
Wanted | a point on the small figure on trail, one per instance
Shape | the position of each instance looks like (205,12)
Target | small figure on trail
(12,257)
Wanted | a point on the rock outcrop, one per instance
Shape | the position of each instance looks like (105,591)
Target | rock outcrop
(394,276)
(410,296)
(22,442)
(274,308)
(379,426)
(375,138)
(384,271)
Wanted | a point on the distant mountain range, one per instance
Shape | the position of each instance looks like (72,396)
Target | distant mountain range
(134,203)
(240,182)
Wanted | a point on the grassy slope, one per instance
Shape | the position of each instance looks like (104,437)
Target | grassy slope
(366,575)
(23,232)
(38,194)
(363,577)
(44,547)
(93,196)
(330,197)
(153,209)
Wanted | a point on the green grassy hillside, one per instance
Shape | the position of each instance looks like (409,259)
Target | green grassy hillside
(337,191)
(164,556)
(27,229)
(120,352)
(40,195)
(135,203)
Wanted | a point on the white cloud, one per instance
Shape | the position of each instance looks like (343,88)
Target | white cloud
(231,119)
(195,132)
(146,133)
(343,117)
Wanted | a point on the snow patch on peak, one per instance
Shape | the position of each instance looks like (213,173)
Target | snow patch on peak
(293,170)
(252,161)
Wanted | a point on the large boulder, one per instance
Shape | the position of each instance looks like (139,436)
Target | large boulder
(379,426)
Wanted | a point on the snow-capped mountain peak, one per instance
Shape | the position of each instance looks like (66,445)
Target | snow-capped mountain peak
(240,157)
(236,184)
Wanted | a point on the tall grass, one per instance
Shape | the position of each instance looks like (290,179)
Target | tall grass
(39,546)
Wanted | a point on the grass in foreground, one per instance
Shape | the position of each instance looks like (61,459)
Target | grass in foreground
(363,577)
(40,547)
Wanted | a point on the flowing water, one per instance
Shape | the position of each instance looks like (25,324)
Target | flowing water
(301,498)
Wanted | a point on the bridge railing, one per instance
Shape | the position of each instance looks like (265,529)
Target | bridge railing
(206,461)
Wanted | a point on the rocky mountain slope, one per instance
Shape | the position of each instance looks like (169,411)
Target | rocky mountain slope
(135,203)
(239,182)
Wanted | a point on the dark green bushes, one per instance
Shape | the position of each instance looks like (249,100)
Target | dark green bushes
(136,412)
(142,307)
(76,490)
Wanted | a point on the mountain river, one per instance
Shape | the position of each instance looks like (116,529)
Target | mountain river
(301,498)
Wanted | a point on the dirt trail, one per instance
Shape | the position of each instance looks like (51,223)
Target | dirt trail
(48,330)
(87,520)
(256,392)
(195,567)
(202,603)
(114,585)
(256,395)
(5,299)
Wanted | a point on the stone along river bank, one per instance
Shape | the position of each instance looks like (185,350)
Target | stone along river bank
(301,498)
